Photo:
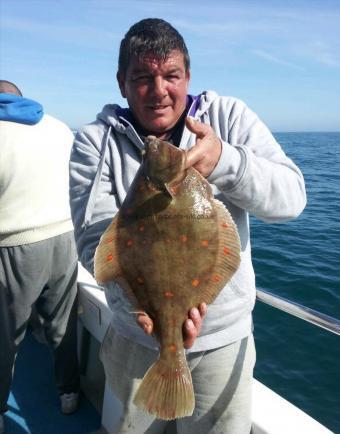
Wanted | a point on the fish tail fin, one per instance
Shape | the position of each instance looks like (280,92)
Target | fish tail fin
(166,391)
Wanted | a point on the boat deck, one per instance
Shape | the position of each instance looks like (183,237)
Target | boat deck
(34,406)
(34,403)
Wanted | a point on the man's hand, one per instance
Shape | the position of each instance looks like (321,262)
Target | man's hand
(191,327)
(205,154)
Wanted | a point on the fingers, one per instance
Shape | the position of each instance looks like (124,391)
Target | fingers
(195,153)
(194,157)
(144,321)
(206,153)
(203,310)
(201,130)
(197,315)
(189,334)
(192,326)
(204,158)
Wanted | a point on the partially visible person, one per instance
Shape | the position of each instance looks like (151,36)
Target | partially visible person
(38,259)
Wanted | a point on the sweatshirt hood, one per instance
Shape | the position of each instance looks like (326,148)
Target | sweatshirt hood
(14,108)
(110,115)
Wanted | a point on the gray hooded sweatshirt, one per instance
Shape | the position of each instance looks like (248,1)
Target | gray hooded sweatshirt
(253,176)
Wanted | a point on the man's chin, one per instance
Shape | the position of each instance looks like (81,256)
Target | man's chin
(160,135)
(158,130)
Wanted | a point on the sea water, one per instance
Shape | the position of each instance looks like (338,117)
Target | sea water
(300,260)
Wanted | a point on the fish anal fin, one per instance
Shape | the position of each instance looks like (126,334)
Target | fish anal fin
(228,255)
(166,391)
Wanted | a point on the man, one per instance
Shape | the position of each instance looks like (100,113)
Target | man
(38,259)
(248,171)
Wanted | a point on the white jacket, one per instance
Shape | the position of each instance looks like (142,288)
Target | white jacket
(253,176)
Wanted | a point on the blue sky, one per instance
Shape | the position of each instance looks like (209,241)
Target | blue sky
(281,57)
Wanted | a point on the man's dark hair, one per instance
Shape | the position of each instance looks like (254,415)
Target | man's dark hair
(151,36)
(8,87)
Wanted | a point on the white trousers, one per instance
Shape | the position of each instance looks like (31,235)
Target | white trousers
(222,380)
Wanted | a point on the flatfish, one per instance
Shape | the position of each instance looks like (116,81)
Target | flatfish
(170,247)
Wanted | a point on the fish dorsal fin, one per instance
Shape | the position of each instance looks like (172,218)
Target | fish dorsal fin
(106,265)
(228,257)
(106,262)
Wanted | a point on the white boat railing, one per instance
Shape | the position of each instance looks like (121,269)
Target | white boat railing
(307,314)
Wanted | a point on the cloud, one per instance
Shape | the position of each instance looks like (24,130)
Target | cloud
(267,56)
(324,54)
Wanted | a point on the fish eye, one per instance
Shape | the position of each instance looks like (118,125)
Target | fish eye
(151,144)
(153,147)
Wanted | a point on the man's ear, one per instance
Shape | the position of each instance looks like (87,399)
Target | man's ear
(121,83)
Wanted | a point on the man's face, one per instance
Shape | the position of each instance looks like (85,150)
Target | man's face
(156,91)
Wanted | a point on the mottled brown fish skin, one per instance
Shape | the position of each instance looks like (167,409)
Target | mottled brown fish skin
(174,246)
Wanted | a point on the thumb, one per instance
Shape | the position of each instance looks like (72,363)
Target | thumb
(144,321)
(196,127)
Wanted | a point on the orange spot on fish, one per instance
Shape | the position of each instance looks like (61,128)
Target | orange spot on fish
(172,348)
(141,228)
(205,243)
(183,238)
(129,243)
(216,278)
(140,280)
(168,294)
(195,282)
(226,250)
(174,189)
(109,257)
(225,225)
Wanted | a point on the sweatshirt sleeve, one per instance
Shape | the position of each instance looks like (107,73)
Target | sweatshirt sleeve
(253,172)
(84,161)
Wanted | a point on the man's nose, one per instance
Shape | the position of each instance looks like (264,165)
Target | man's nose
(159,87)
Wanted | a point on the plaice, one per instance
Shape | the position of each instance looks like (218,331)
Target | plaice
(170,247)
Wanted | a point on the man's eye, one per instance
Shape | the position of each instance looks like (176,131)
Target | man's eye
(141,78)
(173,77)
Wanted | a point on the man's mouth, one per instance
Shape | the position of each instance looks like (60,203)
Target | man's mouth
(158,107)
